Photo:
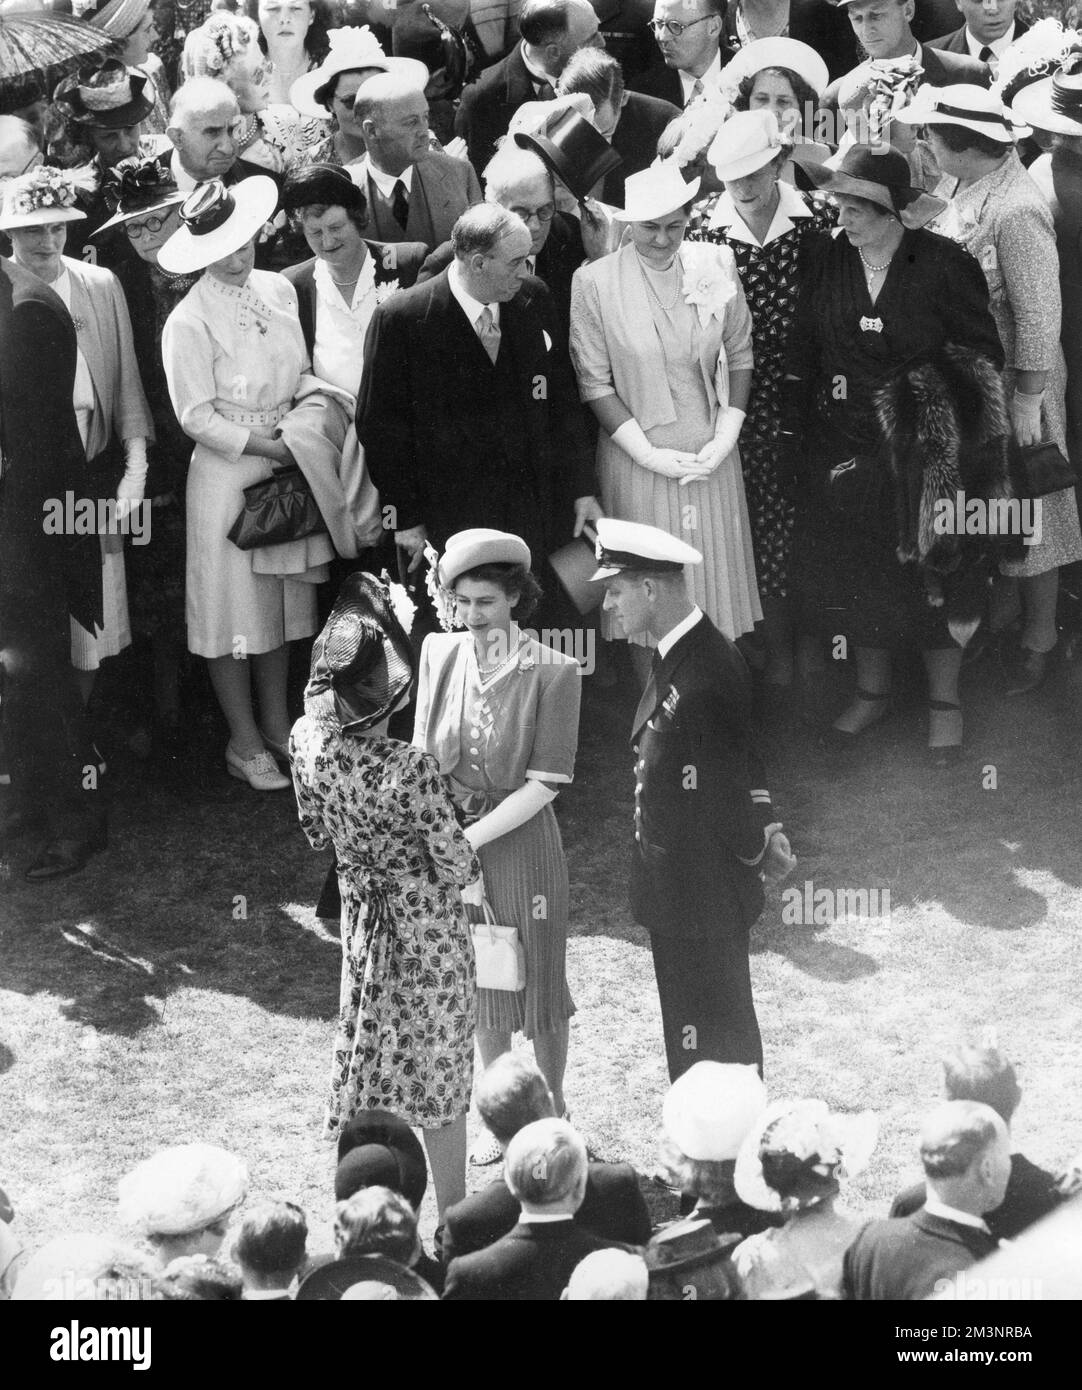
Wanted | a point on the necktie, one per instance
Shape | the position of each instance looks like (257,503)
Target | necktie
(696,92)
(648,699)
(986,55)
(400,204)
(489,333)
(544,91)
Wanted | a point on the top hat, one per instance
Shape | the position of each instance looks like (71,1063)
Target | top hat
(880,178)
(575,151)
(109,96)
(961,104)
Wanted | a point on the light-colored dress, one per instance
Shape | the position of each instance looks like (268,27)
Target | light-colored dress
(1004,221)
(404,1040)
(807,1251)
(233,361)
(634,332)
(490,737)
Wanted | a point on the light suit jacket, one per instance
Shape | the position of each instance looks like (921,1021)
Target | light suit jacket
(441,190)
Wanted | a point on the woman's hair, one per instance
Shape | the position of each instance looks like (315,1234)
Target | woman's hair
(960,139)
(376,1221)
(795,1179)
(597,74)
(316,43)
(511,579)
(806,97)
(707,1181)
(324,186)
(211,50)
(868,204)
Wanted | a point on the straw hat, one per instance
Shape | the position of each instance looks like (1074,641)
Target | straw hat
(962,104)
(120,18)
(655,192)
(351,50)
(798,1150)
(40,198)
(108,95)
(777,52)
(747,141)
(881,178)
(216,221)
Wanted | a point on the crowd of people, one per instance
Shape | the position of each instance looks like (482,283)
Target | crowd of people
(336,328)
(764,1188)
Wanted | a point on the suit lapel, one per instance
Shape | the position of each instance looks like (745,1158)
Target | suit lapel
(428,200)
(666,673)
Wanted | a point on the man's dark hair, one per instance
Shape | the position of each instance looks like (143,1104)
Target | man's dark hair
(983,1074)
(511,1093)
(272,1239)
(543,21)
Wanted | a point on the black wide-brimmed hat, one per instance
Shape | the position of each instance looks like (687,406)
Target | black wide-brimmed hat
(362,664)
(378,1149)
(880,177)
(324,185)
(576,153)
(327,1283)
(108,94)
(136,188)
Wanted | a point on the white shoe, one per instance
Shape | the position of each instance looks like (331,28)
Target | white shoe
(261,772)
(486,1151)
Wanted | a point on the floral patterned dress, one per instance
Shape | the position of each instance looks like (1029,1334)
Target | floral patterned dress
(404,1041)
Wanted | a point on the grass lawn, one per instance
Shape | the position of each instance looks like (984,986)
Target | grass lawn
(182,988)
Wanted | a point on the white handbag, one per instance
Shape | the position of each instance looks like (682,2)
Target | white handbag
(501,958)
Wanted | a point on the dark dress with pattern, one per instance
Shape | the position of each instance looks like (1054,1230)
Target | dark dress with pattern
(845,574)
(404,1041)
(770,275)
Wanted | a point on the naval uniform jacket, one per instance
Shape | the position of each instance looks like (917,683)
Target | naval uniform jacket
(701,805)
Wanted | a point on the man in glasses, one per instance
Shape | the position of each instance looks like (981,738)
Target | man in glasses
(690,37)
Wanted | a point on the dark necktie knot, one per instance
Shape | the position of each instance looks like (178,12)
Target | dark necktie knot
(400,204)
(986,55)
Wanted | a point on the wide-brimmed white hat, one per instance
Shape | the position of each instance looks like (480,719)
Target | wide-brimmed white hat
(39,198)
(480,545)
(747,141)
(710,1109)
(655,192)
(801,1147)
(182,1189)
(216,221)
(1054,103)
(777,52)
(961,104)
(351,50)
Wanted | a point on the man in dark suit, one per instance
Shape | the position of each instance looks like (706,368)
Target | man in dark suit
(467,411)
(965,1149)
(552,30)
(984,1074)
(546,1171)
(413,194)
(521,182)
(990,27)
(705,830)
(510,1094)
(55,784)
(691,37)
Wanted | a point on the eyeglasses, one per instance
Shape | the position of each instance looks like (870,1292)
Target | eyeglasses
(661,26)
(545,213)
(146,225)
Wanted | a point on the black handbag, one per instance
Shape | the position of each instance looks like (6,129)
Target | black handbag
(279,509)
(1040,469)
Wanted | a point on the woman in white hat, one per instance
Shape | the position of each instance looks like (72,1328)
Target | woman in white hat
(181,1199)
(770,227)
(110,406)
(500,712)
(791,1164)
(293,35)
(275,135)
(998,214)
(234,354)
(661,341)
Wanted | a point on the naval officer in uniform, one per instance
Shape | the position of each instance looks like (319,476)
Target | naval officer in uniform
(706,835)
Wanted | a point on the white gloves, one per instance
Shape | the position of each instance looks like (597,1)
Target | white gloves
(672,463)
(1026,416)
(726,433)
(515,810)
(132,486)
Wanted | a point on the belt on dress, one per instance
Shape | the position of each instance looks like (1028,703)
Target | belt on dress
(472,803)
(255,417)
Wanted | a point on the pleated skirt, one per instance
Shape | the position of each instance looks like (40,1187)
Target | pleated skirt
(89,649)
(526,886)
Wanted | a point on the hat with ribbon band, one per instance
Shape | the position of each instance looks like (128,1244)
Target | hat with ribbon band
(216,221)
(881,178)
(109,96)
(962,104)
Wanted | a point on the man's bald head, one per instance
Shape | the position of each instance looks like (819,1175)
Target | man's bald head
(202,119)
(521,182)
(965,1150)
(19,148)
(546,1167)
(392,112)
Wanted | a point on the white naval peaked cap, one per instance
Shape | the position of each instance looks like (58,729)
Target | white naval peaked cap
(630,545)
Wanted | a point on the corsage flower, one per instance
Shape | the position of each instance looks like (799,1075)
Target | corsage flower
(706,284)
(385,289)
(443,600)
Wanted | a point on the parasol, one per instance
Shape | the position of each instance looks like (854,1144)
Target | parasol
(38,49)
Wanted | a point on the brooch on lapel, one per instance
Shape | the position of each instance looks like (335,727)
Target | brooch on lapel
(871,325)
(79,322)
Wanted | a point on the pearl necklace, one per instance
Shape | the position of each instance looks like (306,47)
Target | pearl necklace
(870,269)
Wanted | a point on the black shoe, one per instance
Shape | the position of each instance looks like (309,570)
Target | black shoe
(63,857)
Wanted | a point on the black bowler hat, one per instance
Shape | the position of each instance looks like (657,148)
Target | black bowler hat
(576,153)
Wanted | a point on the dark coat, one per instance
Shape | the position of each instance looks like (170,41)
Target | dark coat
(941,69)
(819,24)
(489,103)
(901,1260)
(453,441)
(692,831)
(635,140)
(956,42)
(398,260)
(663,83)
(529,1263)
(613,1208)
(1030,1196)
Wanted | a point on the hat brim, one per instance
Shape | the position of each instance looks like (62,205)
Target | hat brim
(648,212)
(778,51)
(255,200)
(578,178)
(913,216)
(41,217)
(302,94)
(170,200)
(1033,105)
(749,164)
(916,115)
(511,550)
(861,1132)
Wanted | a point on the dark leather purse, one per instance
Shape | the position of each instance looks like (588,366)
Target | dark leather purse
(279,509)
(1040,469)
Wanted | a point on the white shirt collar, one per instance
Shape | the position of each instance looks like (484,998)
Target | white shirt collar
(329,291)
(665,644)
(998,48)
(542,1218)
(386,182)
(790,206)
(708,79)
(960,1218)
(183,180)
(471,307)
(264,1295)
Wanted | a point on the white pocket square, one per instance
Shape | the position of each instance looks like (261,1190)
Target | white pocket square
(548,340)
